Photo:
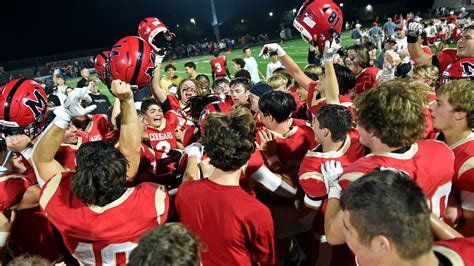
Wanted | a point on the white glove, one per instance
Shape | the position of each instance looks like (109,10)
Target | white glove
(159,56)
(72,107)
(194,150)
(271,47)
(330,50)
(414,30)
(331,171)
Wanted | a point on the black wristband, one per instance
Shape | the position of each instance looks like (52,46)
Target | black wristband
(412,39)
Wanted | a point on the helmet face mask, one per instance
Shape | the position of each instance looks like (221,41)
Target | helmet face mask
(154,31)
(23,108)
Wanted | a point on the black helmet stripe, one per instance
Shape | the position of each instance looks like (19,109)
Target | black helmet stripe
(138,66)
(12,92)
(218,109)
(102,54)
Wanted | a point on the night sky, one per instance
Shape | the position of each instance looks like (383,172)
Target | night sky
(38,28)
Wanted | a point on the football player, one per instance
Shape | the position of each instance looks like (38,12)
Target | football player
(95,192)
(379,235)
(464,50)
(395,143)
(219,66)
(453,115)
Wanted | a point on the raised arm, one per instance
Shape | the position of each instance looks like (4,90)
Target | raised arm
(130,130)
(414,47)
(49,141)
(291,67)
(158,93)
(331,86)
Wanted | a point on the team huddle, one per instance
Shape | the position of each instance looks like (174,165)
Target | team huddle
(341,162)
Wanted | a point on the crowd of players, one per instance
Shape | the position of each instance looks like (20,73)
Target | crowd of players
(341,162)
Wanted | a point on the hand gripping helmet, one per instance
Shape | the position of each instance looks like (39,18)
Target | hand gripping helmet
(101,67)
(462,68)
(153,31)
(214,107)
(132,60)
(319,21)
(23,108)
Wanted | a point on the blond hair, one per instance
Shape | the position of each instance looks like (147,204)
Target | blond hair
(318,70)
(428,72)
(460,95)
(277,80)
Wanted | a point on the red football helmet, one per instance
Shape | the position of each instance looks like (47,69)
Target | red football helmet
(132,60)
(456,34)
(218,106)
(319,21)
(153,31)
(23,108)
(462,68)
(101,67)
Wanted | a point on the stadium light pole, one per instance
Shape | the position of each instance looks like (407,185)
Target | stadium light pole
(215,22)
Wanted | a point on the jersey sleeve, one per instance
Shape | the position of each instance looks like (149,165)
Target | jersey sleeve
(12,188)
(465,184)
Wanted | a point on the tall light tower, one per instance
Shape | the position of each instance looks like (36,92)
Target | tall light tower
(215,23)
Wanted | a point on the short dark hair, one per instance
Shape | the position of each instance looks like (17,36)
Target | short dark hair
(216,52)
(239,61)
(199,76)
(147,103)
(232,140)
(190,65)
(197,103)
(170,244)
(391,204)
(336,118)
(244,82)
(168,66)
(345,78)
(245,49)
(242,74)
(219,82)
(370,45)
(278,104)
(100,173)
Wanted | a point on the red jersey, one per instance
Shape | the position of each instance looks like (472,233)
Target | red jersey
(255,162)
(184,118)
(66,154)
(12,187)
(458,251)
(463,181)
(219,66)
(235,227)
(311,179)
(343,100)
(293,145)
(428,162)
(103,235)
(445,57)
(365,80)
(96,129)
(163,139)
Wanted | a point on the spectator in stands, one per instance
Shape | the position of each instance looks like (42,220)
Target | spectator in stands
(169,244)
(274,64)
(101,101)
(389,28)
(190,68)
(169,83)
(251,65)
(85,77)
(238,64)
(205,83)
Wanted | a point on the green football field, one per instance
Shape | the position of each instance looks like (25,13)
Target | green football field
(297,49)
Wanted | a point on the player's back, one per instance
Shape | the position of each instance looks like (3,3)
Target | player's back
(428,162)
(219,66)
(103,235)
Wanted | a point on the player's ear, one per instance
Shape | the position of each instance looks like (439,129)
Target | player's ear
(460,115)
(381,246)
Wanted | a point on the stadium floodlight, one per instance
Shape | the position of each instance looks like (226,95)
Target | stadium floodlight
(369,8)
(270,14)
(242,21)
(192,20)
(341,4)
(294,10)
(177,25)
